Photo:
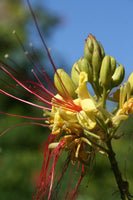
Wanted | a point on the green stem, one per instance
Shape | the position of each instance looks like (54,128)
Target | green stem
(122,185)
(115,109)
(95,90)
(104,97)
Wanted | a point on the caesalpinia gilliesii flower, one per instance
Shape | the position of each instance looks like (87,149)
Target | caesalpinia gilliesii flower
(70,114)
(75,119)
(80,123)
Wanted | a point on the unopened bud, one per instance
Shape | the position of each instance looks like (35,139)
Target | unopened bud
(94,53)
(84,66)
(130,80)
(102,50)
(88,48)
(81,66)
(75,74)
(113,64)
(64,83)
(107,69)
(118,76)
(96,63)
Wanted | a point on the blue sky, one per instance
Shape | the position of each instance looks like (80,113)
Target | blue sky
(110,21)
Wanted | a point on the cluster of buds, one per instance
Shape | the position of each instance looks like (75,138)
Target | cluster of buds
(92,116)
(101,69)
(110,76)
(105,74)
(94,53)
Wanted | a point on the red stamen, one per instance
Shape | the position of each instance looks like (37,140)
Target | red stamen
(49,56)
(34,123)
(24,101)
(42,179)
(26,117)
(23,85)
(42,72)
(78,166)
(69,182)
(77,185)
(38,91)
(46,178)
(65,167)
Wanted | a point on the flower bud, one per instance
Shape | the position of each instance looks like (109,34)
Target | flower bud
(88,49)
(84,66)
(101,50)
(94,53)
(64,83)
(75,74)
(107,69)
(118,76)
(130,80)
(113,64)
(81,66)
(96,63)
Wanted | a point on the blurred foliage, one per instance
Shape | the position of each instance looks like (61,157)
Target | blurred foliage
(21,149)
(12,15)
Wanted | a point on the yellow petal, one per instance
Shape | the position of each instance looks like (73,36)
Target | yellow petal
(82,89)
(57,123)
(68,116)
(119,118)
(86,120)
(88,105)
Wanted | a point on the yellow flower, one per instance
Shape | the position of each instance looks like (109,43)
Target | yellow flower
(70,119)
(127,108)
(86,117)
(125,104)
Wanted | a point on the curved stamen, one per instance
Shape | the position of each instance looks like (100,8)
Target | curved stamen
(33,123)
(26,117)
(24,86)
(22,100)
(47,50)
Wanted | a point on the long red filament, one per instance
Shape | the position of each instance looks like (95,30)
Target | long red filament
(26,117)
(50,58)
(33,123)
(37,91)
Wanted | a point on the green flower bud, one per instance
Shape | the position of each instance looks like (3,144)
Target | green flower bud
(107,69)
(118,76)
(94,53)
(113,64)
(96,63)
(130,80)
(64,83)
(84,66)
(75,74)
(87,51)
(102,50)
(81,66)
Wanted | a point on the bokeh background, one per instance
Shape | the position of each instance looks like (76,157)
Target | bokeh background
(65,26)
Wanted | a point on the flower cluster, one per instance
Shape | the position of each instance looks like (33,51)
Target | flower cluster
(79,122)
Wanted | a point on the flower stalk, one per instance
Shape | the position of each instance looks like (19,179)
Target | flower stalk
(122,184)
